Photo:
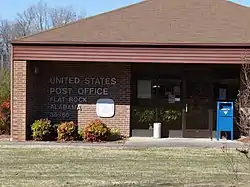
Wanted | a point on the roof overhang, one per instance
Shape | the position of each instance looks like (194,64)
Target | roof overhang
(132,44)
(128,53)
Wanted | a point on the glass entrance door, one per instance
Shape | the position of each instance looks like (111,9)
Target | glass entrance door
(197,113)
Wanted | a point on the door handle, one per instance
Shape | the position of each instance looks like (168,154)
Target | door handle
(186,108)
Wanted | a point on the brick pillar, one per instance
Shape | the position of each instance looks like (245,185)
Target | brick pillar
(126,94)
(18,98)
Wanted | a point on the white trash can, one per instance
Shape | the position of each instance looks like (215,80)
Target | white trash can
(157,130)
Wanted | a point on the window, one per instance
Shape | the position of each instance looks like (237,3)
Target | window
(167,89)
(144,89)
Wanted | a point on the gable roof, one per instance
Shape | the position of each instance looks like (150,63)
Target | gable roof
(157,21)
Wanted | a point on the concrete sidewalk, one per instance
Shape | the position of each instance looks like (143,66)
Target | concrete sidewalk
(183,142)
(132,143)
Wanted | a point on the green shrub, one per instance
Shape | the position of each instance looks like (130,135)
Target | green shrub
(115,134)
(67,131)
(80,134)
(4,84)
(43,130)
(95,131)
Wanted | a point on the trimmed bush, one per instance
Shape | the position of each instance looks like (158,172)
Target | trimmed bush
(67,131)
(115,134)
(95,131)
(43,130)
(5,117)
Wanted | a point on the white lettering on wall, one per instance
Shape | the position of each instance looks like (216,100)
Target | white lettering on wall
(100,81)
(59,91)
(64,80)
(64,97)
(92,91)
(77,100)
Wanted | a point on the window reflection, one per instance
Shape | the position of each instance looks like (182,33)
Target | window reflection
(167,89)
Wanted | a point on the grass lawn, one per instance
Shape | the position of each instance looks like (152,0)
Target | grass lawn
(78,166)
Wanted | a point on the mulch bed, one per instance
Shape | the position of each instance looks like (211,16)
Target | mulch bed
(7,138)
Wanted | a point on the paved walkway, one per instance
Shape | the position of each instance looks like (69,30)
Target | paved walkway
(133,143)
(182,142)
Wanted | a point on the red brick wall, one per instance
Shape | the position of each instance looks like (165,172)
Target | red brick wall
(18,126)
(40,86)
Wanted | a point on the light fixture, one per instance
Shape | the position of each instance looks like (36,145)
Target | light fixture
(156,86)
(36,70)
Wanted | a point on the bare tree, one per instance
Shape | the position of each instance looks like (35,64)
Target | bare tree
(63,15)
(23,25)
(40,17)
(243,100)
(239,164)
(36,18)
(6,35)
(242,105)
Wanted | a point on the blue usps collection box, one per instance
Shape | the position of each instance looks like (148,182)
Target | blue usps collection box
(225,118)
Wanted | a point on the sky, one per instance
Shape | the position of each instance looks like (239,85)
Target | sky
(9,8)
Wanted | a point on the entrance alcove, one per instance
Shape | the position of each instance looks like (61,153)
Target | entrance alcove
(181,96)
